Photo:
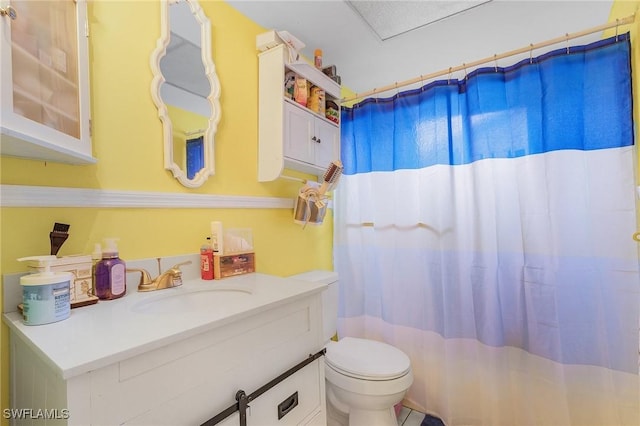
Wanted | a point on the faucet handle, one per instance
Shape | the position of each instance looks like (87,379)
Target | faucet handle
(145,277)
(176,273)
(178,265)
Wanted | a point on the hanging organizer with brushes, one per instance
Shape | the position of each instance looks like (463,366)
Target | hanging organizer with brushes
(311,204)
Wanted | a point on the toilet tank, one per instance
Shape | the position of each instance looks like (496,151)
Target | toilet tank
(329,299)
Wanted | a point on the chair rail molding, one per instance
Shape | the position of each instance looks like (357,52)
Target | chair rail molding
(49,196)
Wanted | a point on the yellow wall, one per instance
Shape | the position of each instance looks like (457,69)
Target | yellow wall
(127,141)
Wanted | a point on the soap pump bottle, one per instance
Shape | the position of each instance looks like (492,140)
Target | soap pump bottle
(110,272)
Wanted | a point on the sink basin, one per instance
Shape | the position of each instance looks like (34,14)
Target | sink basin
(191,301)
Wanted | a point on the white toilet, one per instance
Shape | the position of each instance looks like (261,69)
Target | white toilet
(365,379)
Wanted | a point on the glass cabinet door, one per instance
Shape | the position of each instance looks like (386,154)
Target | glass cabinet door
(44,55)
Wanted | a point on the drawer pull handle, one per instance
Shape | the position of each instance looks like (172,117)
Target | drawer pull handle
(287,405)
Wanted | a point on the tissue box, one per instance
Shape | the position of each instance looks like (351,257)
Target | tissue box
(228,265)
(81,287)
(237,241)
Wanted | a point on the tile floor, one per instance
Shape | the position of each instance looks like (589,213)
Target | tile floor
(409,417)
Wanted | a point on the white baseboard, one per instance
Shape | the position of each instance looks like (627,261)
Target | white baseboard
(48,196)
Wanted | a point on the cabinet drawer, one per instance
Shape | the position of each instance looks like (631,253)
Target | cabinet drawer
(196,407)
(294,401)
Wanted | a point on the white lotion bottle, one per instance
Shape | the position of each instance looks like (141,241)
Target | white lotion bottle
(217,238)
(46,295)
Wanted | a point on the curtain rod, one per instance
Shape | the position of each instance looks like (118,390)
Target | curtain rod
(628,20)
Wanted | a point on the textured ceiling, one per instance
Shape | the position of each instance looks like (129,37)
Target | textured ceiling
(392,18)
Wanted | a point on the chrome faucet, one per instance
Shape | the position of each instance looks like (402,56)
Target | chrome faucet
(170,278)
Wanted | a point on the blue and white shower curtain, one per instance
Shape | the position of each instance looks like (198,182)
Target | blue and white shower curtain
(484,226)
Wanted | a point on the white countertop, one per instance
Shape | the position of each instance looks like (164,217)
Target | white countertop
(113,330)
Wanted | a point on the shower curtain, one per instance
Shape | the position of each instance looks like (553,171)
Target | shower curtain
(484,227)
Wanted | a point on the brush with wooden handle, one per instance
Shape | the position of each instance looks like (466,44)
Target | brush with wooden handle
(331,176)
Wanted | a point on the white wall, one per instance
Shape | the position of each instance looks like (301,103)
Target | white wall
(364,62)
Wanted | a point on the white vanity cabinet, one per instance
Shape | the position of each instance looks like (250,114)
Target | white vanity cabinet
(289,134)
(45,79)
(187,381)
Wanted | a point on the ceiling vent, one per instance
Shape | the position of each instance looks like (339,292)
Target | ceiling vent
(389,19)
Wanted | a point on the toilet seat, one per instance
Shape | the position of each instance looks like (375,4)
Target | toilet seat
(367,359)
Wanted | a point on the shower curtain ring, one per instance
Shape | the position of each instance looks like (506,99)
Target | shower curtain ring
(531,53)
(495,61)
(465,70)
(421,83)
(449,77)
(617,23)
(567,35)
(397,92)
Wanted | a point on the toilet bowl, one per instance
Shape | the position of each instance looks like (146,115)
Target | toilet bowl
(364,379)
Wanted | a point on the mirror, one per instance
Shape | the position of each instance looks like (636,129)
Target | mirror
(186,91)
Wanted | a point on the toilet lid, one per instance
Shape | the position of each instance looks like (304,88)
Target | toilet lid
(367,359)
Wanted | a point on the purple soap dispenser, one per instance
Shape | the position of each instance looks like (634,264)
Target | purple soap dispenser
(110,272)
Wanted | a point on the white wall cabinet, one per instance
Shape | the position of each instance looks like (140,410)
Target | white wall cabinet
(45,79)
(290,135)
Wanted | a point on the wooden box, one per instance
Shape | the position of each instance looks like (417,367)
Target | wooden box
(81,287)
(229,265)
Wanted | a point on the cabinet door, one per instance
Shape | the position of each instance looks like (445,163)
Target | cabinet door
(298,131)
(45,112)
(326,143)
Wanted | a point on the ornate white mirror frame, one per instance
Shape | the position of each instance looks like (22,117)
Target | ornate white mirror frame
(208,165)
